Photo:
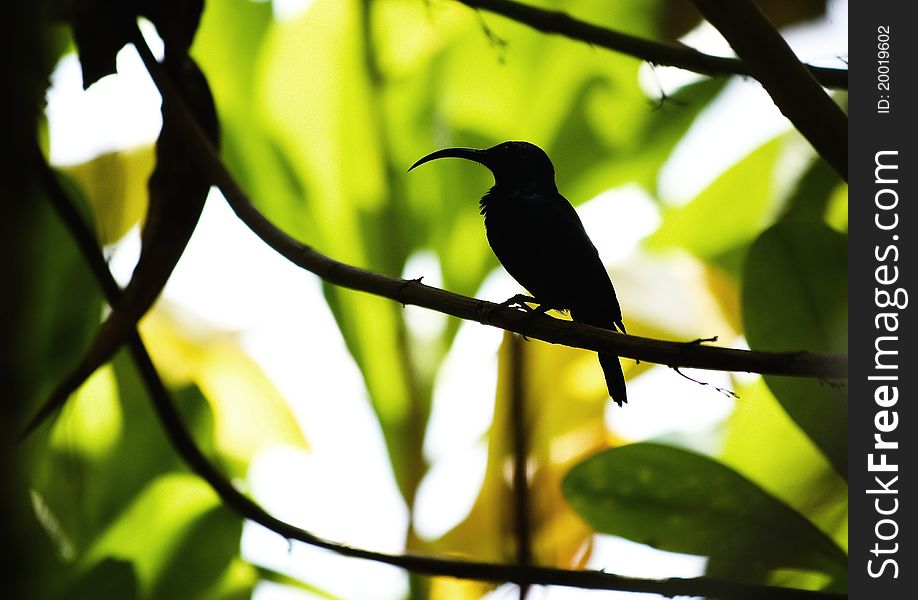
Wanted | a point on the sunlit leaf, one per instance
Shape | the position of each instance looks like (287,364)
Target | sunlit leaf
(564,400)
(239,393)
(726,214)
(83,480)
(679,501)
(810,198)
(207,549)
(236,583)
(115,185)
(91,423)
(169,506)
(799,474)
(795,298)
(229,48)
(837,209)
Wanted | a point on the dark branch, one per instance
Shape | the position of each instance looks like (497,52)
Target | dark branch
(555,331)
(658,53)
(520,427)
(189,451)
(794,89)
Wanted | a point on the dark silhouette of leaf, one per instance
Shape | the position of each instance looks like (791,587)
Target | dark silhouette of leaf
(177,194)
(176,21)
(100,29)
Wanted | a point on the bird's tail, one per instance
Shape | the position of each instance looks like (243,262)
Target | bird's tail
(615,378)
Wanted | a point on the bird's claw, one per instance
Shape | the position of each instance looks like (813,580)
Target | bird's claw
(520,301)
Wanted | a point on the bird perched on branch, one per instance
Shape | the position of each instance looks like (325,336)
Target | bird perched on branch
(539,239)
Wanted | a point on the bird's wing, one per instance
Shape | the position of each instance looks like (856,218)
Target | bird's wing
(549,253)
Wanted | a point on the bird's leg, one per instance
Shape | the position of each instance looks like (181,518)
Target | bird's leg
(522,302)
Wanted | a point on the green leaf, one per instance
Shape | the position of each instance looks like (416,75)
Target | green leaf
(680,501)
(63,302)
(795,298)
(115,184)
(207,549)
(110,579)
(160,523)
(799,474)
(812,194)
(728,213)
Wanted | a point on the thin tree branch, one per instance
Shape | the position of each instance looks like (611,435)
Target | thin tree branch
(674,354)
(794,89)
(658,53)
(186,447)
(520,426)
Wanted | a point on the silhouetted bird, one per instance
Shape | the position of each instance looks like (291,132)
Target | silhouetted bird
(538,237)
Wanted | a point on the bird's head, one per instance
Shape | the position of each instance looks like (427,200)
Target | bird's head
(514,164)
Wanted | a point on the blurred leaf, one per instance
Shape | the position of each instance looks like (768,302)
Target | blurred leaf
(234,386)
(678,297)
(679,501)
(837,209)
(83,480)
(230,47)
(726,214)
(177,194)
(636,158)
(63,304)
(795,298)
(100,29)
(349,210)
(810,198)
(115,184)
(799,474)
(236,583)
(564,397)
(110,579)
(207,549)
(170,506)
(312,591)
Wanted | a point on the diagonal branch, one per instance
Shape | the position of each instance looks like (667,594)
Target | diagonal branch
(658,53)
(185,445)
(794,89)
(555,331)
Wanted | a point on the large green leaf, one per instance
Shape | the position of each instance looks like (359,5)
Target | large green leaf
(679,501)
(795,298)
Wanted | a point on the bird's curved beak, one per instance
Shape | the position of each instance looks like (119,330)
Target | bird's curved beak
(473,154)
